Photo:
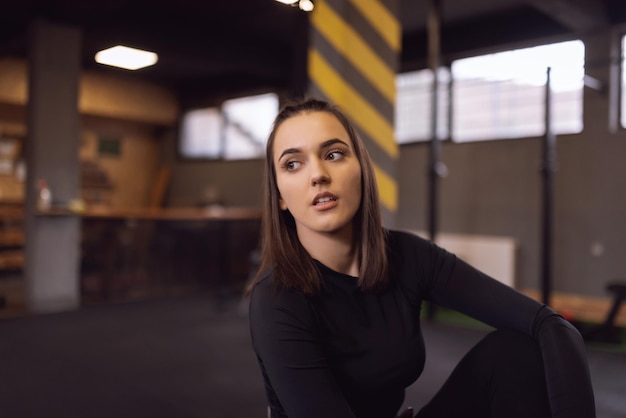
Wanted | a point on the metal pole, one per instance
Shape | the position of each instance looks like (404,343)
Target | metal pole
(434,58)
(547,170)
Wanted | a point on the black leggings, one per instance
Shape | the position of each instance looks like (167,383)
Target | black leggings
(501,376)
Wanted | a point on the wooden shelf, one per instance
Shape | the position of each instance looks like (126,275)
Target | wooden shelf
(11,235)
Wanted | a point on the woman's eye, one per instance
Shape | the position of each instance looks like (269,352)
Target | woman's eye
(335,155)
(292,165)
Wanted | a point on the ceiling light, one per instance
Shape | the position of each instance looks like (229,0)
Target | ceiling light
(125,57)
(306,5)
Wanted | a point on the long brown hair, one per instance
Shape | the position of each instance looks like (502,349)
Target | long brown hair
(292,266)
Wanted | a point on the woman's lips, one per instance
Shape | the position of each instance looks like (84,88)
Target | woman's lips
(324,201)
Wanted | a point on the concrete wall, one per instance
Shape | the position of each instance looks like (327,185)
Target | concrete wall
(201,182)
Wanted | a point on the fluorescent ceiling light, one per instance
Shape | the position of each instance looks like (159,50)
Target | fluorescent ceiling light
(125,57)
(287,1)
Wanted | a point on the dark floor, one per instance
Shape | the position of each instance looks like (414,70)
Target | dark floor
(188,356)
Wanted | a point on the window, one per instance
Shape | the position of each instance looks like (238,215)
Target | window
(502,95)
(237,129)
(201,130)
(414,103)
(623,86)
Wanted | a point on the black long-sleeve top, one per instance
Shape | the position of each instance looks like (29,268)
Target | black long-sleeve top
(347,353)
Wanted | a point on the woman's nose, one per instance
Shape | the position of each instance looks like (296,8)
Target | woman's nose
(319,174)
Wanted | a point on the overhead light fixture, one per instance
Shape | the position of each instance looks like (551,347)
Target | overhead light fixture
(126,57)
(306,5)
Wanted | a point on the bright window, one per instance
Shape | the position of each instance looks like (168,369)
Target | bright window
(623,86)
(237,129)
(413,116)
(200,128)
(502,95)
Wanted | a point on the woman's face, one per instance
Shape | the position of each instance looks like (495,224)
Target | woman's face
(317,173)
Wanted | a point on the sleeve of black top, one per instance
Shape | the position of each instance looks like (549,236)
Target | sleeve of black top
(283,336)
(454,283)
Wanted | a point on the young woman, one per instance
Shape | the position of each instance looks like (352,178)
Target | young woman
(335,311)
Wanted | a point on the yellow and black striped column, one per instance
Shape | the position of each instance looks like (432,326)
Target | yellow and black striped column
(354,49)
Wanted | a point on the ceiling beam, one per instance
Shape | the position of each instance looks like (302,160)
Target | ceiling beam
(576,15)
(488,32)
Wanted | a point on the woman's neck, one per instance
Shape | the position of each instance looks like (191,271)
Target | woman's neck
(335,250)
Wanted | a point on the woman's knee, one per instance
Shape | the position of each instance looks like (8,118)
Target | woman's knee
(511,348)
(501,376)
(518,377)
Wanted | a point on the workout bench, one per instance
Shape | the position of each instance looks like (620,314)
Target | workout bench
(607,331)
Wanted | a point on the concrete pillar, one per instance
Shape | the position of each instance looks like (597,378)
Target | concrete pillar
(354,51)
(51,150)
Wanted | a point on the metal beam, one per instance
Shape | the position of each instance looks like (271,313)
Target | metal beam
(434,62)
(520,25)
(548,170)
(433,25)
(577,15)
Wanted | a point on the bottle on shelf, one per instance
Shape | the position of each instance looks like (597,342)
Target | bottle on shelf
(44,197)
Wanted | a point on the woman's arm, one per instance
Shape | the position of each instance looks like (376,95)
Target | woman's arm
(291,357)
(457,285)
(565,361)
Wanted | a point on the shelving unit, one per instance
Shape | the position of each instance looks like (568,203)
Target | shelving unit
(11,236)
(11,247)
(96,186)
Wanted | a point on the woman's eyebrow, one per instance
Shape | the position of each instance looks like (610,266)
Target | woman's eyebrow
(325,144)
(289,151)
(331,142)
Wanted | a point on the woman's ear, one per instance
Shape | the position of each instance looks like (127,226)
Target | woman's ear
(282,203)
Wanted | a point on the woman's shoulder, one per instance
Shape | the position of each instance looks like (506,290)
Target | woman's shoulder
(413,256)
(272,304)
(401,239)
(264,279)
(265,286)
(270,293)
